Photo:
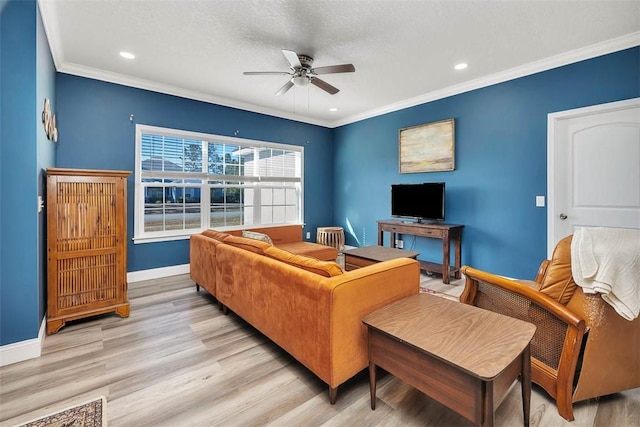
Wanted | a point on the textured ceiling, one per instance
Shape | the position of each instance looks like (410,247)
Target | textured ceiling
(403,51)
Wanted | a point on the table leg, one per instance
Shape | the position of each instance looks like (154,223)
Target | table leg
(488,411)
(372,384)
(526,384)
(446,246)
(458,256)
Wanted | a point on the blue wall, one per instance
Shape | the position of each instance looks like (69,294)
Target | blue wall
(27,76)
(501,161)
(500,158)
(46,149)
(96,133)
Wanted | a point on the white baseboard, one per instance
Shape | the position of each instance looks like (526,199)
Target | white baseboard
(23,350)
(30,349)
(156,273)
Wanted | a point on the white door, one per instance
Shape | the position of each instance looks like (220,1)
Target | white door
(593,168)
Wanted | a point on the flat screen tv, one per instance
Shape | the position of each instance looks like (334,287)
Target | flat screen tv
(418,201)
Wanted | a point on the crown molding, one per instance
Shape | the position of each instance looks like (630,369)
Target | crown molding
(50,23)
(107,76)
(577,55)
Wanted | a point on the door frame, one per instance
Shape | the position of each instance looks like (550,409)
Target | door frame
(553,121)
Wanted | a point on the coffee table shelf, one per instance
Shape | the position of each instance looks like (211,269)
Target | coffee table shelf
(434,267)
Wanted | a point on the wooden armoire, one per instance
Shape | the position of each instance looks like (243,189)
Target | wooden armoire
(86,244)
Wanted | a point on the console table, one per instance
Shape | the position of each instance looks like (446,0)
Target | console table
(448,233)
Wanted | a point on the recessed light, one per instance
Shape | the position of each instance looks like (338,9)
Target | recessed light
(127,55)
(461,66)
(333,109)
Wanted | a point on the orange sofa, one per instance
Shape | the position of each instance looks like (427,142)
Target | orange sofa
(309,307)
(202,254)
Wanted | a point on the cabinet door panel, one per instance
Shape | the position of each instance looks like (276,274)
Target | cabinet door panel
(86,244)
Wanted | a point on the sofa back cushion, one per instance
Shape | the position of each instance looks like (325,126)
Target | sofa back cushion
(323,268)
(218,235)
(253,245)
(557,281)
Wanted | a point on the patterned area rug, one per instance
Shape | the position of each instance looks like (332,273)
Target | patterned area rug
(90,414)
(432,284)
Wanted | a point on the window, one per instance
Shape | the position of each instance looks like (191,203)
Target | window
(187,182)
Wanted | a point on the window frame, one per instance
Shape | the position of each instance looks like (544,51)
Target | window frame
(255,182)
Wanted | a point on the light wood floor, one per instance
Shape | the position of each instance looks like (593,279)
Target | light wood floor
(178,361)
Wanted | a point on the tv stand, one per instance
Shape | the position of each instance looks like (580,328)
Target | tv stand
(445,232)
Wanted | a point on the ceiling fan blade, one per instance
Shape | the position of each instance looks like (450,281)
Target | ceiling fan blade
(324,86)
(266,73)
(292,57)
(288,85)
(344,68)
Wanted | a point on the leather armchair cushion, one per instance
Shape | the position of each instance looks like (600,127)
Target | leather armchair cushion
(252,245)
(557,281)
(323,268)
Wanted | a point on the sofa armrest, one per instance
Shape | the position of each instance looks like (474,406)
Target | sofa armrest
(556,345)
(473,277)
(202,261)
(355,294)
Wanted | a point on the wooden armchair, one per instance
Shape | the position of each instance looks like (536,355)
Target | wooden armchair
(582,348)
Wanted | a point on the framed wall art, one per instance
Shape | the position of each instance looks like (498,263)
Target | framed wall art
(427,148)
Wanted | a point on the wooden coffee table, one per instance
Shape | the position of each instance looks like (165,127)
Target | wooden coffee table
(367,255)
(462,356)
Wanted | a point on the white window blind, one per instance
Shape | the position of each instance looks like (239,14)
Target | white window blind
(187,182)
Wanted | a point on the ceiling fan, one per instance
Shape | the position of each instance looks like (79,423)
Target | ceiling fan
(302,73)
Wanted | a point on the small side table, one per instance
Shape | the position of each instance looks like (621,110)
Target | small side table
(462,356)
(331,236)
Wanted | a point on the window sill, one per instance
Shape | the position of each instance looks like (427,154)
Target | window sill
(187,235)
(156,239)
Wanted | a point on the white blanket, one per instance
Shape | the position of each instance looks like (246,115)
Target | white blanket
(607,261)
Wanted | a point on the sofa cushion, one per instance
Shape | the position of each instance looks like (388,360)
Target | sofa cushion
(557,281)
(277,234)
(314,250)
(323,268)
(257,236)
(253,245)
(218,235)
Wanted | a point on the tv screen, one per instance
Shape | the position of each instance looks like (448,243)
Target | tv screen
(420,201)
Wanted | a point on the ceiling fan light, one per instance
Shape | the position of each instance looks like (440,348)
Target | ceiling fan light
(300,80)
